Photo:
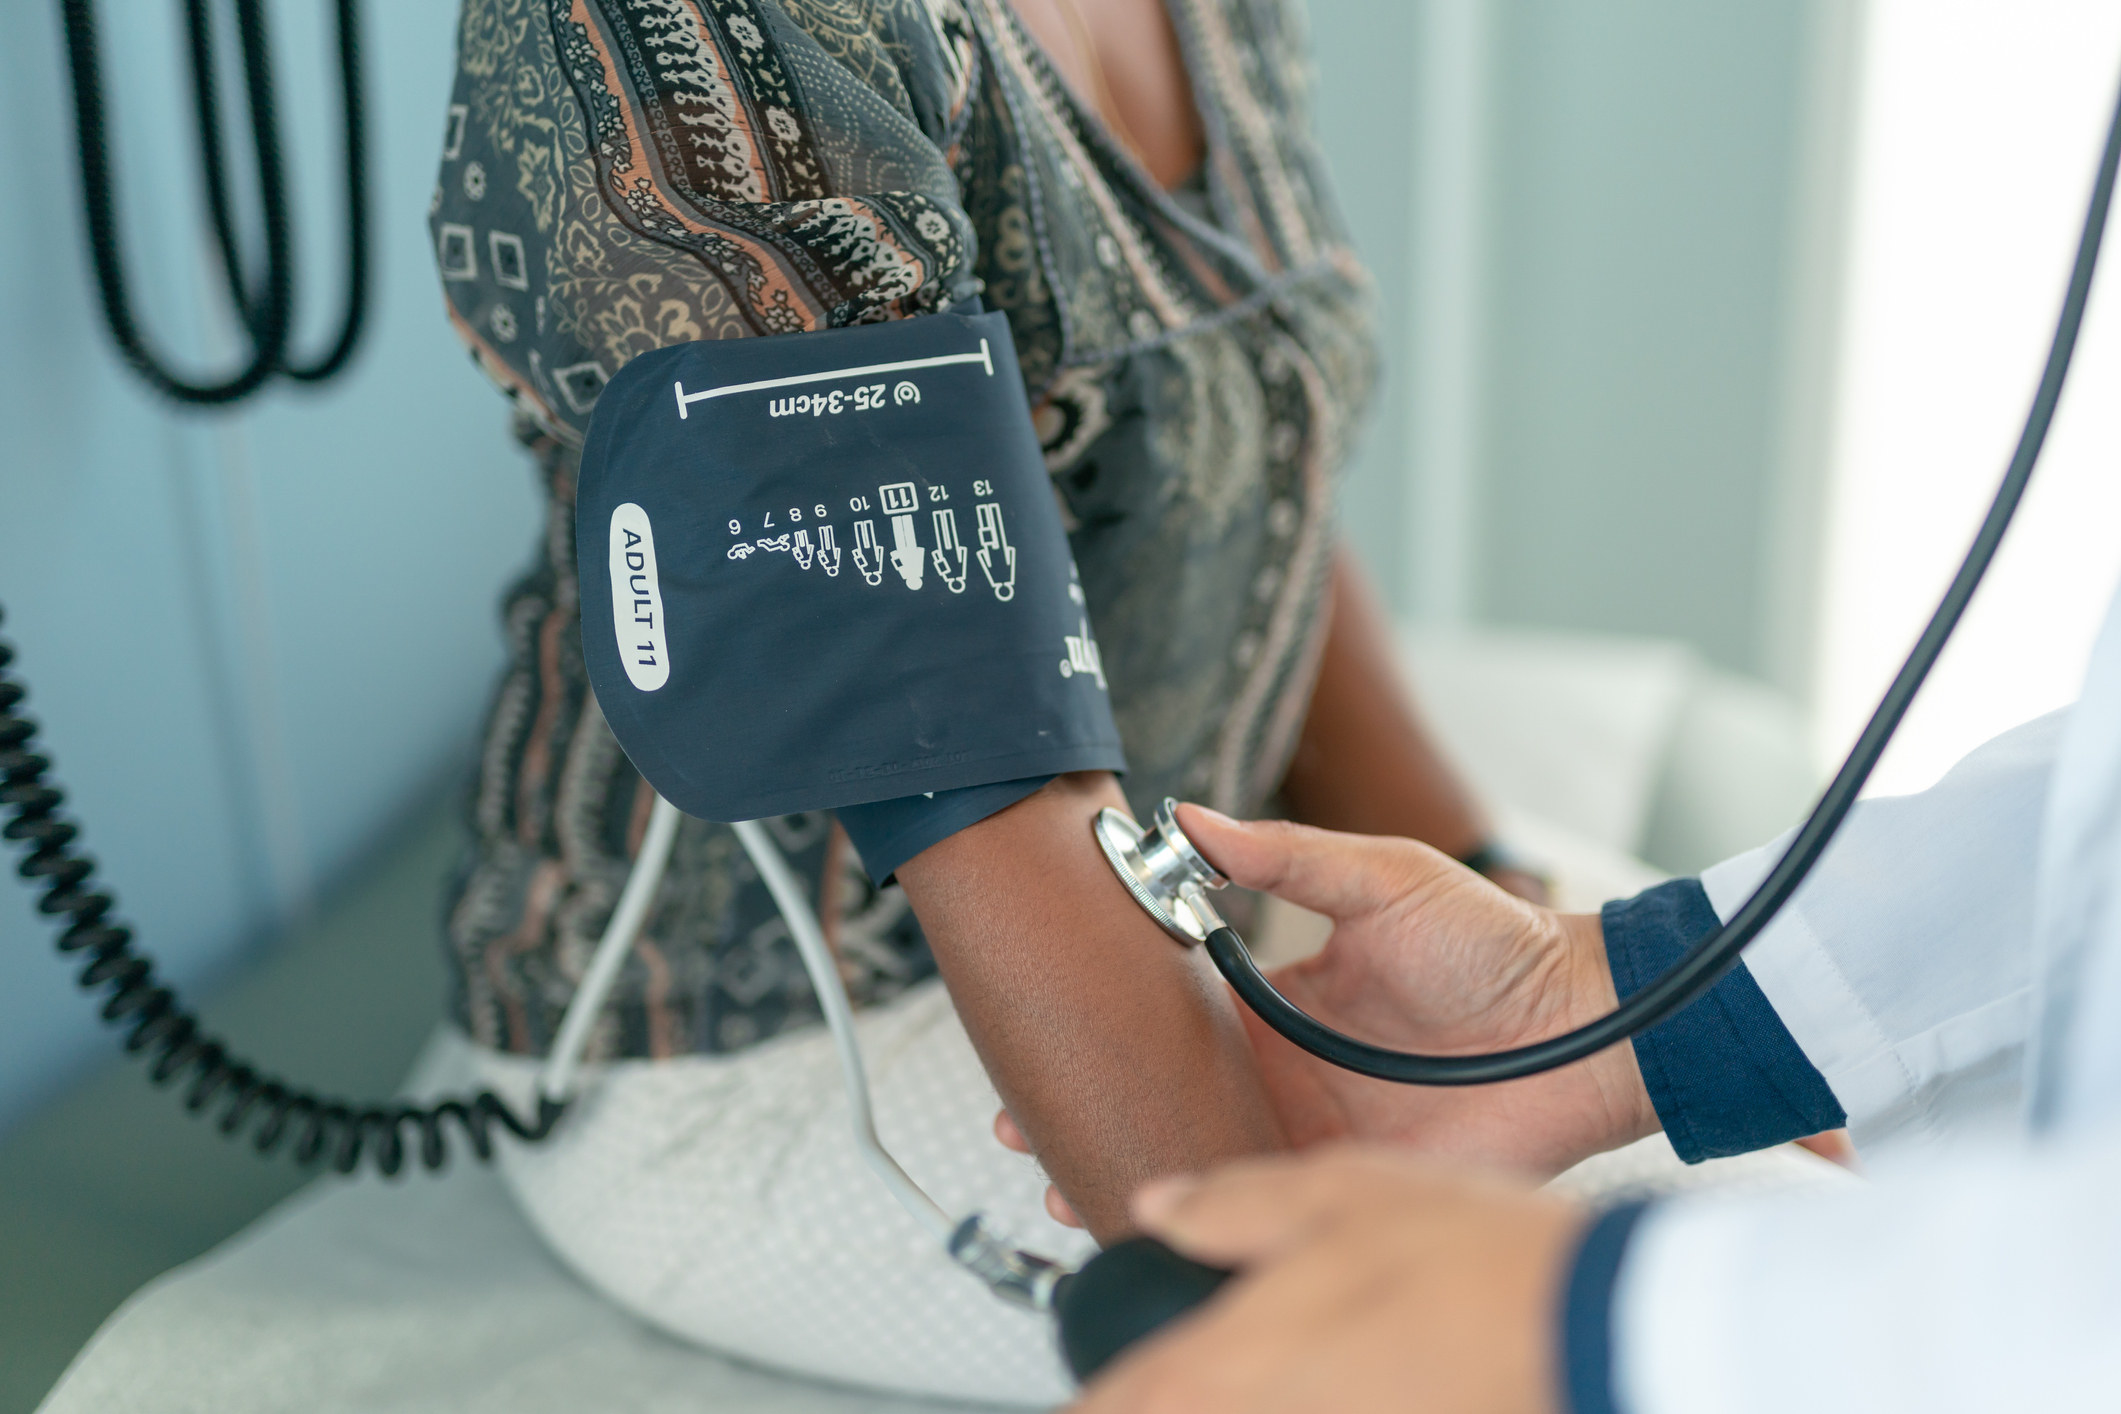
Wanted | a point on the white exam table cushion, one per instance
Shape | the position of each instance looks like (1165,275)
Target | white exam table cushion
(362,1296)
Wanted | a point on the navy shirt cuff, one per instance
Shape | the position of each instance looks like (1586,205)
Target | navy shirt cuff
(887,833)
(1587,1312)
(1725,1074)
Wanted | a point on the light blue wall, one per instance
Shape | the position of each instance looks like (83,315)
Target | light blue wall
(1641,193)
(1646,165)
(254,639)
(1364,109)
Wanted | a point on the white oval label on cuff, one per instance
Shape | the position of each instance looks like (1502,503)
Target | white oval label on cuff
(637,600)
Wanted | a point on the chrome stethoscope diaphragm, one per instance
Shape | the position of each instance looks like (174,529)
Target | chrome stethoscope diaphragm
(1168,877)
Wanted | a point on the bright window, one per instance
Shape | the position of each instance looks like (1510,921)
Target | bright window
(1979,124)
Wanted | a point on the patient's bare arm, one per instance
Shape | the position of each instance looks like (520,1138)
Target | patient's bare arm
(1117,1051)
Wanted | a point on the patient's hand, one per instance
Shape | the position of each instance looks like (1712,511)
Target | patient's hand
(1428,956)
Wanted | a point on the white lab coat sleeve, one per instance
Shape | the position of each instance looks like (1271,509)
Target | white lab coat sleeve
(1904,966)
(1988,1282)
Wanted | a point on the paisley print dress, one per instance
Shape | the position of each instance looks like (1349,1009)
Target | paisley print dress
(619,175)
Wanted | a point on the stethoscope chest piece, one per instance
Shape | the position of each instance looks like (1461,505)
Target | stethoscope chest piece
(1165,873)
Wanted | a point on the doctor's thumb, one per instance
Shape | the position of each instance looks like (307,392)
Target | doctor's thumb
(1341,876)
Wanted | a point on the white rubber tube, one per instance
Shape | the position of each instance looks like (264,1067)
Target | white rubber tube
(556,1080)
(794,902)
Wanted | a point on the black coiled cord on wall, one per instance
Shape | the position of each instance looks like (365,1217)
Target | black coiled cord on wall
(178,1048)
(249,295)
(263,300)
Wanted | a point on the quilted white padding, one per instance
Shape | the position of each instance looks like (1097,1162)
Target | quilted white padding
(722,1199)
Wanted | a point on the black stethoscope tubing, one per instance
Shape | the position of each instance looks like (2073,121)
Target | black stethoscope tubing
(1704,964)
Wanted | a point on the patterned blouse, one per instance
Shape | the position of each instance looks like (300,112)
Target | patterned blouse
(619,175)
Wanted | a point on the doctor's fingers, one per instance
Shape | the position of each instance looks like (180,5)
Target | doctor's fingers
(1012,1138)
(1339,1323)
(1341,876)
(1255,1210)
(1264,1345)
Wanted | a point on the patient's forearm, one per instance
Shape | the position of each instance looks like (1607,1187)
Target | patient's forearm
(1117,1051)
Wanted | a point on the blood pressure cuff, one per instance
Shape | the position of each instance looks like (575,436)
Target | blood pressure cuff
(887,833)
(826,569)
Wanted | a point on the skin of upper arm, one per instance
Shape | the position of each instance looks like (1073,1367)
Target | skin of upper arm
(1117,1050)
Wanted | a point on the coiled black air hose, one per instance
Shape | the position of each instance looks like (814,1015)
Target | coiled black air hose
(277,1114)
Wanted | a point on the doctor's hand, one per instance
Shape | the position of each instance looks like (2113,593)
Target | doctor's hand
(1426,955)
(1368,1279)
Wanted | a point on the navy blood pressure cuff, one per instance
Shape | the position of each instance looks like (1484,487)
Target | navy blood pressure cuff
(826,569)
